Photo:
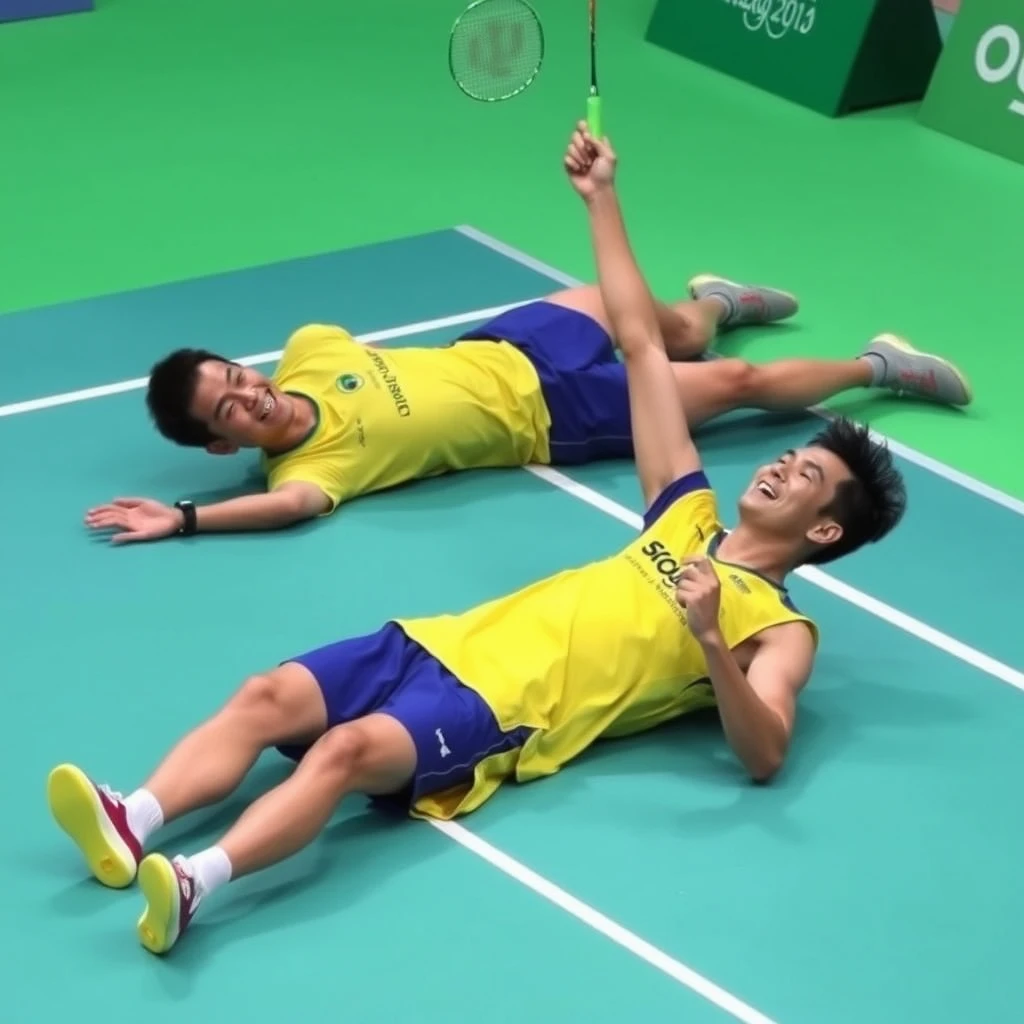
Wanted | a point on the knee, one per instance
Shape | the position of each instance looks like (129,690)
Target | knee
(688,337)
(738,379)
(342,752)
(266,701)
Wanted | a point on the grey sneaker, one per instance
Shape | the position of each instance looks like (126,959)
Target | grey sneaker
(909,372)
(745,304)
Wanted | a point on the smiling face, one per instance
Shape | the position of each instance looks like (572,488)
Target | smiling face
(240,406)
(789,497)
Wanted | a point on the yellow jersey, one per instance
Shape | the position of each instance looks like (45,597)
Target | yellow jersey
(597,651)
(387,416)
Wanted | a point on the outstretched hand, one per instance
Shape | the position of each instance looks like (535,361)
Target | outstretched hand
(589,162)
(135,519)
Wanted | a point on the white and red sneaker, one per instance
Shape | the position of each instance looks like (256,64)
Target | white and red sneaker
(172,898)
(96,820)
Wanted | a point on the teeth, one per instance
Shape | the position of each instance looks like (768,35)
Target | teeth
(268,404)
(766,489)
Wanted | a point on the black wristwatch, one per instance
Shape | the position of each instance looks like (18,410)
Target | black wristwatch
(188,513)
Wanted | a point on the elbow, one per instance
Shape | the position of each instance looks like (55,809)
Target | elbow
(765,768)
(294,510)
(763,774)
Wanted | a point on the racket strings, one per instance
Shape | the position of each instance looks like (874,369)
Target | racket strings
(496,49)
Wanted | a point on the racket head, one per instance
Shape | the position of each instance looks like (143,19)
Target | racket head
(495,49)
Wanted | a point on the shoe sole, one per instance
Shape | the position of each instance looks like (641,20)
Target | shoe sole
(78,810)
(904,346)
(158,924)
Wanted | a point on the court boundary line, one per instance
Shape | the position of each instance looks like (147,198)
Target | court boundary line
(610,929)
(912,455)
(137,383)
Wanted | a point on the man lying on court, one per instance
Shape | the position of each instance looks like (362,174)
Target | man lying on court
(438,712)
(539,384)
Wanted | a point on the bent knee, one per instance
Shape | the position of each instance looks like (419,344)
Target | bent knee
(737,378)
(345,750)
(284,702)
(375,754)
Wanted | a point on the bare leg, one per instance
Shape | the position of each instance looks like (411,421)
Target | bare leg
(688,327)
(889,363)
(374,755)
(283,706)
(716,387)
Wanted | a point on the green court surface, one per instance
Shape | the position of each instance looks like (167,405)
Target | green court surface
(154,141)
(876,880)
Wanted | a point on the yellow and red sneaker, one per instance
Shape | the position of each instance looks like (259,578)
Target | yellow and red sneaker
(96,820)
(172,898)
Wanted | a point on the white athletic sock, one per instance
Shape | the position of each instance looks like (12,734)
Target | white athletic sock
(210,868)
(145,815)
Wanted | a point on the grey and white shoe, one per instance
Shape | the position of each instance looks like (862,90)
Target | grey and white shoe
(906,371)
(745,304)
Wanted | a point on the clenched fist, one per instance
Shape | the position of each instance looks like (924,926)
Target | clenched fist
(700,594)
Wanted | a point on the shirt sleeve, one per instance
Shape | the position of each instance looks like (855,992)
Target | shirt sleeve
(311,469)
(676,491)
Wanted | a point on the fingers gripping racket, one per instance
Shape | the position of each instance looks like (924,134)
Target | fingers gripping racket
(495,49)
(594,100)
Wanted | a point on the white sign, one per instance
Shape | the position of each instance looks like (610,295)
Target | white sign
(994,71)
(777,18)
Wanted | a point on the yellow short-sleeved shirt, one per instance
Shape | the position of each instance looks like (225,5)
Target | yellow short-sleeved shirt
(387,416)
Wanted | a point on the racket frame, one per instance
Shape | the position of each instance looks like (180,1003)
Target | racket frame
(519,89)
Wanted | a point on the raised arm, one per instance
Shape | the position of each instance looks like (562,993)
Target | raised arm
(664,450)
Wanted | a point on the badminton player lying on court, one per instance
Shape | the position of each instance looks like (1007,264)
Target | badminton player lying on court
(539,384)
(438,712)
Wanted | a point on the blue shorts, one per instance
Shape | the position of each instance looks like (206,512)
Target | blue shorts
(386,673)
(582,380)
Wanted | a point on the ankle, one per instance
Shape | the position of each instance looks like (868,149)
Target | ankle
(144,814)
(211,868)
(874,368)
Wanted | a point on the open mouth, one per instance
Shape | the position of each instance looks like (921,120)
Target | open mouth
(269,402)
(767,490)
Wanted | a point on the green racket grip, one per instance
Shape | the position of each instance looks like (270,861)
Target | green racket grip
(594,117)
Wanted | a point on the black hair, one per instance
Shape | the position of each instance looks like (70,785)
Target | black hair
(172,386)
(869,505)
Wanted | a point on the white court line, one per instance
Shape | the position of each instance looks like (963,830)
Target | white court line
(103,390)
(955,476)
(596,920)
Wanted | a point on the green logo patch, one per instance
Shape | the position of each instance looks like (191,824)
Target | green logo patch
(349,382)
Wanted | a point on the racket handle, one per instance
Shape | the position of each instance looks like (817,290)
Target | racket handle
(594,117)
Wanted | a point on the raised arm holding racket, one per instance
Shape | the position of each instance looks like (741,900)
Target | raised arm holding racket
(496,48)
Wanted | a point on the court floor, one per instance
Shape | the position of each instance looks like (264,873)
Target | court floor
(878,879)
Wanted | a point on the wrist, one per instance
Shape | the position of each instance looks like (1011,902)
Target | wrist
(602,194)
(187,511)
(712,641)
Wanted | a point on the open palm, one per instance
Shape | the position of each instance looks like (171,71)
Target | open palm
(134,519)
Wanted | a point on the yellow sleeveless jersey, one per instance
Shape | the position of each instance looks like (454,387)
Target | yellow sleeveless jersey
(387,416)
(598,651)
